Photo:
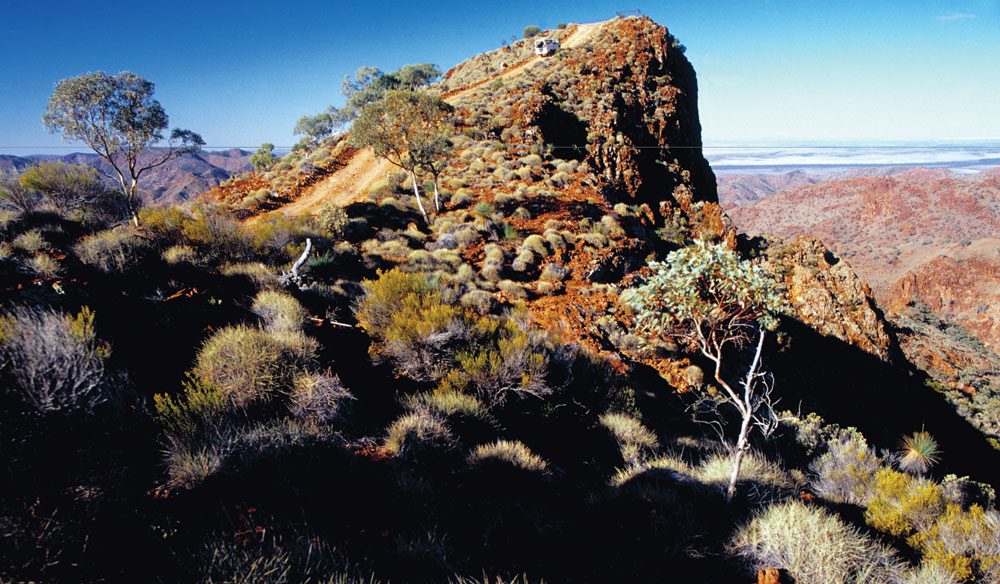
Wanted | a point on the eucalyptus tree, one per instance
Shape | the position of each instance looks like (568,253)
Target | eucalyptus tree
(707,297)
(118,118)
(409,129)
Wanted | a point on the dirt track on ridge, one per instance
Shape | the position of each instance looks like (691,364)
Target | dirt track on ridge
(353,180)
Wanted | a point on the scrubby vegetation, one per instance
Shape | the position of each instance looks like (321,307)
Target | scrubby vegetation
(509,386)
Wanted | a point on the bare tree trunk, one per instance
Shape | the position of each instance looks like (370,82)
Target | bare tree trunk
(437,196)
(742,445)
(133,208)
(747,411)
(416,192)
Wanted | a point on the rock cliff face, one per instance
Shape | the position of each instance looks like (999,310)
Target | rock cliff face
(826,294)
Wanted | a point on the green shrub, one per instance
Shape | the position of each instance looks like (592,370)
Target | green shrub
(164,222)
(385,296)
(411,324)
(814,546)
(510,452)
(333,220)
(247,364)
(115,250)
(279,311)
(902,505)
(279,237)
(506,361)
(185,415)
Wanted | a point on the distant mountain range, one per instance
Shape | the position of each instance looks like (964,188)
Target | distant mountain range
(180,179)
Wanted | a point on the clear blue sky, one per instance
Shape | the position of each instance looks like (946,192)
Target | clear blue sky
(770,71)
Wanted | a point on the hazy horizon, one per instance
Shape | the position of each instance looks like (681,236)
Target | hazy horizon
(771,72)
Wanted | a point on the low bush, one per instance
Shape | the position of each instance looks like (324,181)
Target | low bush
(511,452)
(188,467)
(635,441)
(31,241)
(55,362)
(333,221)
(180,254)
(814,546)
(512,289)
(448,404)
(248,364)
(259,273)
(554,273)
(116,250)
(279,311)
(417,434)
(526,260)
(845,473)
(44,266)
(214,233)
(483,302)
(319,398)
(763,480)
(661,463)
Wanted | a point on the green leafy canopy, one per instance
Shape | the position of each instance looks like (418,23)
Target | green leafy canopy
(705,286)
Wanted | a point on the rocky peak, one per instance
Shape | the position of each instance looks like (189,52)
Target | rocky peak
(620,95)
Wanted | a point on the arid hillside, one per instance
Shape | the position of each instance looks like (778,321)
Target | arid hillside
(921,235)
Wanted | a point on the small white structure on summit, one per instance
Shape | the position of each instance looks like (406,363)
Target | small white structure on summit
(546,46)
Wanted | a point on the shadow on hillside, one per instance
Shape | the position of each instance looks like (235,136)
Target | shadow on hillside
(885,401)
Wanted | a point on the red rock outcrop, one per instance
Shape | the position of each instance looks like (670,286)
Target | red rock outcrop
(825,293)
